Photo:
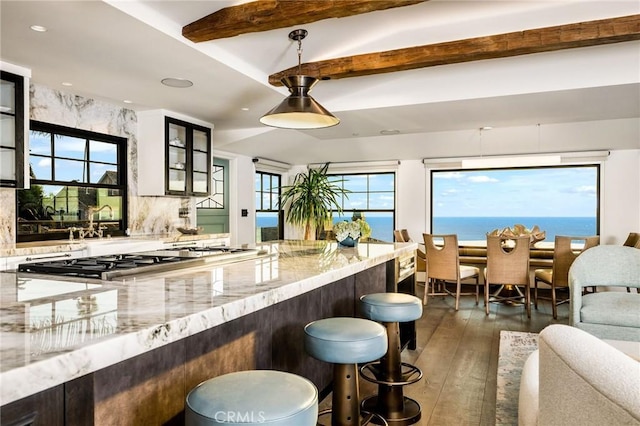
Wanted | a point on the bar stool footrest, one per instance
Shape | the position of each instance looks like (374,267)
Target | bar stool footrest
(368,417)
(408,416)
(371,373)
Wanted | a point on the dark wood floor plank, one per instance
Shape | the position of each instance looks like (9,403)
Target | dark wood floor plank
(458,354)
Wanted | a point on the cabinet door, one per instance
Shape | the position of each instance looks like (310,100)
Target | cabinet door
(177,162)
(11,130)
(201,162)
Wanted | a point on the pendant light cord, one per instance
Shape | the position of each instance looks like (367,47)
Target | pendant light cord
(299,56)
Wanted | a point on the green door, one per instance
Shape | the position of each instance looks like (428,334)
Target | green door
(212,213)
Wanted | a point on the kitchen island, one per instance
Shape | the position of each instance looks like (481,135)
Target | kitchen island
(127,351)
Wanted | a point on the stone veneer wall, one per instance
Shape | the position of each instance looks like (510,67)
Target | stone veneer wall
(147,215)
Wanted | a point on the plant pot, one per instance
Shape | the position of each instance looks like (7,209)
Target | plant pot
(348,242)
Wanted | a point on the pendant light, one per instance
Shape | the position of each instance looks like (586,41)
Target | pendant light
(299,110)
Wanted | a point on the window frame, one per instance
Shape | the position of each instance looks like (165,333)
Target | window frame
(595,165)
(88,136)
(347,213)
(260,208)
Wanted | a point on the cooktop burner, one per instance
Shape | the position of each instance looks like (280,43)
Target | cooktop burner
(93,267)
(111,266)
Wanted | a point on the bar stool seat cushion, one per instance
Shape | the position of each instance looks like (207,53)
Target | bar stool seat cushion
(345,340)
(391,307)
(255,397)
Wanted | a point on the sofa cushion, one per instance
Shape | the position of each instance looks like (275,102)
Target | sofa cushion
(611,308)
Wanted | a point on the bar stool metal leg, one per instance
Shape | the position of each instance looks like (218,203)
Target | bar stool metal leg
(391,374)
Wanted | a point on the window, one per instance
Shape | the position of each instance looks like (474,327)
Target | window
(269,218)
(373,195)
(78,180)
(561,200)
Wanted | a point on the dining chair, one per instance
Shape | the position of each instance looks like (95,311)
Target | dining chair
(398,237)
(558,275)
(633,240)
(507,265)
(443,265)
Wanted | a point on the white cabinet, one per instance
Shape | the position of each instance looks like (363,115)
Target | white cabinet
(174,154)
(14,126)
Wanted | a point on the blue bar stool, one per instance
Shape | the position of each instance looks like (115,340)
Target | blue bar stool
(345,342)
(252,398)
(390,373)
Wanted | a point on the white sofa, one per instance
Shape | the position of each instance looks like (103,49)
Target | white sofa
(574,378)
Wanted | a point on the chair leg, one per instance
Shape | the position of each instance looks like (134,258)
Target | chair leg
(554,302)
(458,294)
(535,293)
(427,281)
(527,299)
(477,290)
(486,297)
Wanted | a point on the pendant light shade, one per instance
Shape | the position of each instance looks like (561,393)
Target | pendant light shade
(299,110)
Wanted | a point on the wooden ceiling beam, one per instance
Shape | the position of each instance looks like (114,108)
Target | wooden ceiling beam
(592,33)
(265,15)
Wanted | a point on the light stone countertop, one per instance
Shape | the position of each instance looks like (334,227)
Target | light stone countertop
(56,330)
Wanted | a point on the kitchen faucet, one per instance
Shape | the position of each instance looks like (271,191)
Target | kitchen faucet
(90,231)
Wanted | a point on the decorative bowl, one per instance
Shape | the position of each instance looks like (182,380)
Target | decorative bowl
(348,242)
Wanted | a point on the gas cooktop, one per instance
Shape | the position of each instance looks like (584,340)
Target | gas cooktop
(112,266)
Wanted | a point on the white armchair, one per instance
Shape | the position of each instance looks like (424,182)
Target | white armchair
(575,378)
(606,314)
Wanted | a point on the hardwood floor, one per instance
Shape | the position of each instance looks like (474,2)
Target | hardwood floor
(458,354)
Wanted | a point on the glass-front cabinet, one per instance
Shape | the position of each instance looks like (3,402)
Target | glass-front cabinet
(182,146)
(12,130)
(188,158)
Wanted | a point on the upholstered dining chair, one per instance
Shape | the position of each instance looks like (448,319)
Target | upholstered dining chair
(443,265)
(507,264)
(558,276)
(633,240)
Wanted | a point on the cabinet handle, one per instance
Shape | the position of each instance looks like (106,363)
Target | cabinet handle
(183,244)
(55,256)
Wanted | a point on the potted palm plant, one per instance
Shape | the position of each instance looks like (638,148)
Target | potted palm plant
(311,198)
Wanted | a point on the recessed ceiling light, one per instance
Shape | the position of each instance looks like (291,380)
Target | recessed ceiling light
(486,127)
(177,82)
(38,28)
(245,109)
(127,101)
(389,132)
(66,83)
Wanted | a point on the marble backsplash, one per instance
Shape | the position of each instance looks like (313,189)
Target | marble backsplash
(147,215)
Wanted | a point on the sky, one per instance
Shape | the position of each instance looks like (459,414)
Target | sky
(536,192)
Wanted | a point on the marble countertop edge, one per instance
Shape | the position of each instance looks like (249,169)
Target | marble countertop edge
(38,376)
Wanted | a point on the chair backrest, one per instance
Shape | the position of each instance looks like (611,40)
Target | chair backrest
(508,263)
(397,236)
(442,258)
(633,240)
(606,265)
(564,255)
(405,235)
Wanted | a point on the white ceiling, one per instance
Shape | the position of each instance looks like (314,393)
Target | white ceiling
(118,50)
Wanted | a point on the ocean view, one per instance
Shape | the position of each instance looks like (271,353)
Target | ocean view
(475,228)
